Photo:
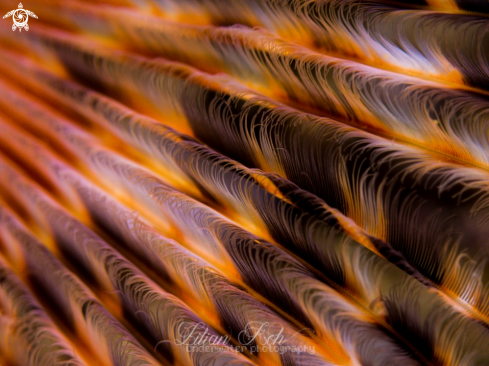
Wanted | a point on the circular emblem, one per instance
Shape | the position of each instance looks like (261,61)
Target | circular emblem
(20,17)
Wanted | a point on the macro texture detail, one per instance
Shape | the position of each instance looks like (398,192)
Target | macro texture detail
(244,182)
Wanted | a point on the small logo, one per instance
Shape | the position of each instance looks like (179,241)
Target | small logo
(20,16)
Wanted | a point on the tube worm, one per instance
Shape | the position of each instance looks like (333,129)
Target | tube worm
(28,335)
(385,187)
(312,225)
(259,197)
(272,273)
(80,309)
(163,315)
(343,256)
(168,232)
(137,130)
(430,44)
(425,113)
(290,277)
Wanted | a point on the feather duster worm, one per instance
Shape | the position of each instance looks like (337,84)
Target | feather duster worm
(192,217)
(425,113)
(439,45)
(276,271)
(162,314)
(260,197)
(133,230)
(387,188)
(28,335)
(102,333)
(421,113)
